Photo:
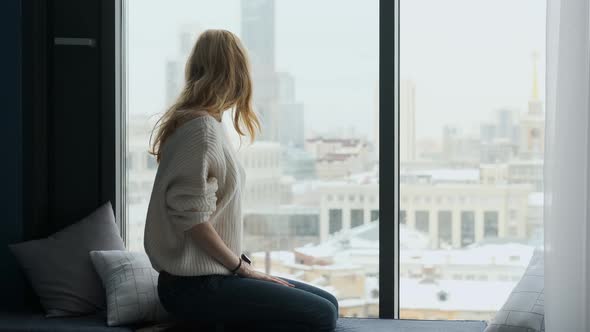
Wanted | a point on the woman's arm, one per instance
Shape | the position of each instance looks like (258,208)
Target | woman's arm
(209,240)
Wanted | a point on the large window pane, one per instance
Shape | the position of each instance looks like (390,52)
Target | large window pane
(312,183)
(471,152)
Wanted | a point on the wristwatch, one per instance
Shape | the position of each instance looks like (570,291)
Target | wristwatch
(246,259)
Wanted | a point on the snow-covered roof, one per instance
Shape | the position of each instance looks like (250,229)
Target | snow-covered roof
(283,256)
(448,174)
(363,240)
(504,254)
(444,295)
(347,303)
(454,295)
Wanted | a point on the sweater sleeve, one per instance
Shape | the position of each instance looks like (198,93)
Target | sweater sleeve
(191,193)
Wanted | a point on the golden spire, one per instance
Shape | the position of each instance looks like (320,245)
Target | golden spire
(535,94)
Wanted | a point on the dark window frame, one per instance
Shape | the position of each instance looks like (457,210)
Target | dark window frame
(388,159)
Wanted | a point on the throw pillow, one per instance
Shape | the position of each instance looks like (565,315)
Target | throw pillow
(131,287)
(59,268)
(524,309)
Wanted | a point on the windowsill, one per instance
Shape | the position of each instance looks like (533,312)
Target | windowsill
(378,325)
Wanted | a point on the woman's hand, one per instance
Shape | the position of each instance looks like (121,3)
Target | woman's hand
(246,271)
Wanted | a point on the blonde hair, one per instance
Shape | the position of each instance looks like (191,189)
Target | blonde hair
(217,78)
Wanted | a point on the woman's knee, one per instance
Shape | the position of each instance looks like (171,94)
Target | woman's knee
(332,300)
(326,315)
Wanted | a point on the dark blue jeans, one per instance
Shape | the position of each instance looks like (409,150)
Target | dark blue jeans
(247,304)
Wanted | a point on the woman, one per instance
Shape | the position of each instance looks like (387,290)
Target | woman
(193,232)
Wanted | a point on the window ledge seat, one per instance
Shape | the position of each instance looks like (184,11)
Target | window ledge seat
(36,322)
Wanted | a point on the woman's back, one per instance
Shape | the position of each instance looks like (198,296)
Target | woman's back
(198,180)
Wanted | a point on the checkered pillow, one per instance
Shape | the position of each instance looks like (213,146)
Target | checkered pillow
(131,287)
(524,310)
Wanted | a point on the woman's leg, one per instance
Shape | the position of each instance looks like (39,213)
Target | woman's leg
(314,290)
(235,300)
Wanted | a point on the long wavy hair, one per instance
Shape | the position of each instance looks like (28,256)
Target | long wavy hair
(217,78)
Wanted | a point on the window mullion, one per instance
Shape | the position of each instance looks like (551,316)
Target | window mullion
(388,161)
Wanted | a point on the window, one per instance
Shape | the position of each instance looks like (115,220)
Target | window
(422,222)
(445,229)
(335,220)
(306,225)
(471,131)
(467,228)
(356,217)
(490,220)
(454,137)
(320,118)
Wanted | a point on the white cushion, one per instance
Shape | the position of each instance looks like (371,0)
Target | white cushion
(524,310)
(59,268)
(131,287)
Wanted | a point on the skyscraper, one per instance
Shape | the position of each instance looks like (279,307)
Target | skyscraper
(291,118)
(258,33)
(407,119)
(258,36)
(187,38)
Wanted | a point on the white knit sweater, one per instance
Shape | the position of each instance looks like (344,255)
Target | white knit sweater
(199,179)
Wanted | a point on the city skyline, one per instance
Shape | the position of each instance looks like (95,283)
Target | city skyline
(492,91)
(466,65)
(322,77)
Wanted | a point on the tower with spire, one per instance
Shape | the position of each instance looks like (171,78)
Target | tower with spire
(535,104)
(532,123)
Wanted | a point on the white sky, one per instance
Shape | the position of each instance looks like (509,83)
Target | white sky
(330,46)
(467,57)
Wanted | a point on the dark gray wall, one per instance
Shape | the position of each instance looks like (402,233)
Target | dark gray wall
(11,284)
(56,127)
(69,131)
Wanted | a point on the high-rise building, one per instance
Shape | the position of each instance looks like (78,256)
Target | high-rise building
(187,38)
(291,125)
(258,33)
(407,119)
(503,127)
(286,88)
(173,81)
(505,123)
(291,118)
(258,36)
